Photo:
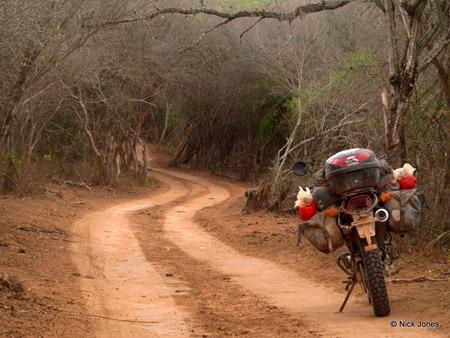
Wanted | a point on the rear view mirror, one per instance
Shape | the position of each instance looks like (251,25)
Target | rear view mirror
(300,168)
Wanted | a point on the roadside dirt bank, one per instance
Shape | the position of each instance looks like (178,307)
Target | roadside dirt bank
(35,239)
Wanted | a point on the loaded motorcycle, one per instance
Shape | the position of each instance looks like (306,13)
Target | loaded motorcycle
(360,204)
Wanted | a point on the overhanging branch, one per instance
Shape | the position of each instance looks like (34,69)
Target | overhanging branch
(324,5)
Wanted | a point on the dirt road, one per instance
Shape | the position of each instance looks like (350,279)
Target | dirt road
(130,295)
(122,289)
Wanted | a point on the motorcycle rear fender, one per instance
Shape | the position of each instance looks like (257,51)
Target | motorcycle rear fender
(365,227)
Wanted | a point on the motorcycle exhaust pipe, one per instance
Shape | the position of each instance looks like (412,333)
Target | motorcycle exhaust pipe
(382,215)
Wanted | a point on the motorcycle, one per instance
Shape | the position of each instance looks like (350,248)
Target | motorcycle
(353,178)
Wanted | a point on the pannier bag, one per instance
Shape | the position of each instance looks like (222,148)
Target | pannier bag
(322,232)
(405,210)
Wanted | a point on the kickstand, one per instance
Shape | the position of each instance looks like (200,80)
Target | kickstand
(350,286)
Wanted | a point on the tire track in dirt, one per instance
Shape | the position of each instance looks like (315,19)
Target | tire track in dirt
(218,306)
(125,294)
(275,284)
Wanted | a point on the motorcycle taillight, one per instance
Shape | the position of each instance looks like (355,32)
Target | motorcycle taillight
(359,203)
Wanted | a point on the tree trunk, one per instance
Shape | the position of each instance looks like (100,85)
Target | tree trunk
(16,94)
(402,78)
(104,175)
(395,129)
(444,77)
(443,68)
(166,123)
(278,193)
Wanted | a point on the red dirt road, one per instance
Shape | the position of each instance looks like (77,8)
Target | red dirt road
(129,295)
(123,290)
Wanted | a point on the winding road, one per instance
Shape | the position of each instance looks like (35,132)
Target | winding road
(127,295)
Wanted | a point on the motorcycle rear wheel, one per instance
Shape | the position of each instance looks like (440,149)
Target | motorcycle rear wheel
(376,283)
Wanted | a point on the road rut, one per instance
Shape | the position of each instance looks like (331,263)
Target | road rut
(275,284)
(128,296)
(124,292)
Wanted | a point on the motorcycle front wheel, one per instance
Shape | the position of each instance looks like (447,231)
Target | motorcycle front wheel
(376,282)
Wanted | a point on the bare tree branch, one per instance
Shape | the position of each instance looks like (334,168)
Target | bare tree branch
(250,27)
(324,5)
(326,132)
(437,49)
(202,36)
